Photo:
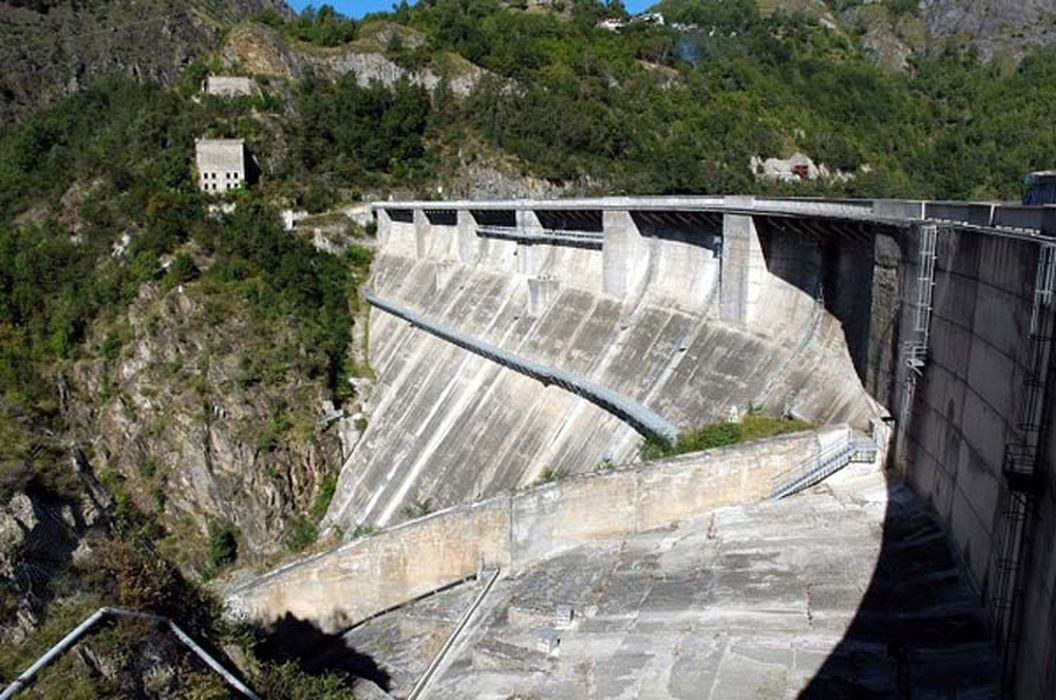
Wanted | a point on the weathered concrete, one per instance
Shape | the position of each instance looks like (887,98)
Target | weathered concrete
(743,269)
(623,407)
(748,601)
(967,410)
(677,311)
(639,317)
(368,575)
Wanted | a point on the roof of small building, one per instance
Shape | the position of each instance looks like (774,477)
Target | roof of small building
(219,154)
(221,143)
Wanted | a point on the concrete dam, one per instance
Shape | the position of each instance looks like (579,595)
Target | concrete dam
(691,318)
(525,349)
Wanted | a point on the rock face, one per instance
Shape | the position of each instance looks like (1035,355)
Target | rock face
(40,534)
(260,50)
(52,49)
(993,24)
(199,439)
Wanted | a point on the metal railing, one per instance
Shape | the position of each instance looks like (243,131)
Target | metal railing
(423,683)
(1022,477)
(1006,217)
(27,676)
(643,419)
(579,238)
(822,465)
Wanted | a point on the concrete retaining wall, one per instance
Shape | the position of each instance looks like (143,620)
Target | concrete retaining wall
(967,410)
(356,580)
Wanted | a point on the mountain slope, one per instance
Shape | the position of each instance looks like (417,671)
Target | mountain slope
(51,48)
(994,25)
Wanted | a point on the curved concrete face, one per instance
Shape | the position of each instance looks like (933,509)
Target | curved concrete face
(640,316)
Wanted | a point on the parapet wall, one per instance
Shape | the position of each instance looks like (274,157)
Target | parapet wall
(368,575)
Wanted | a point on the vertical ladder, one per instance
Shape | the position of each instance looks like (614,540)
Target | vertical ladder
(1022,480)
(915,350)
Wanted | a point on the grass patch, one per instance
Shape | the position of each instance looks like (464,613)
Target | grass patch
(754,426)
(419,508)
(550,475)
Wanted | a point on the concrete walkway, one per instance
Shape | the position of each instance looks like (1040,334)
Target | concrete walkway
(846,590)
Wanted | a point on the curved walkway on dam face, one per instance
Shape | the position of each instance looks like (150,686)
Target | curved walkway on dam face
(450,426)
(642,418)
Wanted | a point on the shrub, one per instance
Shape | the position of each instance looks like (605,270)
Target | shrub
(182,269)
(222,548)
(754,426)
(301,533)
(325,494)
(550,475)
(418,508)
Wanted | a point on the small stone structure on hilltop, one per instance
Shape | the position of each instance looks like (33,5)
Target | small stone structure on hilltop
(227,85)
(222,164)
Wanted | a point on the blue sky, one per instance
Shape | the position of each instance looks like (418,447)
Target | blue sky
(358,8)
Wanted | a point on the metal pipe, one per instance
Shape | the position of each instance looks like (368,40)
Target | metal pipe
(70,639)
(642,418)
(231,679)
(51,654)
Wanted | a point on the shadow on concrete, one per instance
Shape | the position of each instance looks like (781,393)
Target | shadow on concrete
(920,631)
(315,651)
(836,270)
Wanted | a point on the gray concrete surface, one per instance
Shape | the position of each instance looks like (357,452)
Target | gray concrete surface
(368,575)
(854,287)
(759,601)
(639,317)
(967,411)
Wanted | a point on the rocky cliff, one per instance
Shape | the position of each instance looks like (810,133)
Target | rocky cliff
(261,50)
(994,25)
(208,424)
(52,48)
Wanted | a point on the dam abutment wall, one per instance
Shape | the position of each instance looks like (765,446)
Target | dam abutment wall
(368,575)
(942,335)
(977,443)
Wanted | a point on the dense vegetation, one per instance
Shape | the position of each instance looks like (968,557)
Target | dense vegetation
(585,104)
(117,158)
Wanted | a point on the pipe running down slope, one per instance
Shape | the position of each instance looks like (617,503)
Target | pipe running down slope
(640,417)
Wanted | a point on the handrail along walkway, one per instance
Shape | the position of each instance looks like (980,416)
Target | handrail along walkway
(643,419)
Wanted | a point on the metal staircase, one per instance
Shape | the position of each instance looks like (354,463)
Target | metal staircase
(822,465)
(1022,481)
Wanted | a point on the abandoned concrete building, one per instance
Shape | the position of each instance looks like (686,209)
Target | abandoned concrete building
(223,164)
(227,85)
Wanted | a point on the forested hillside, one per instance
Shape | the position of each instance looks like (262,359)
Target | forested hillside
(179,382)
